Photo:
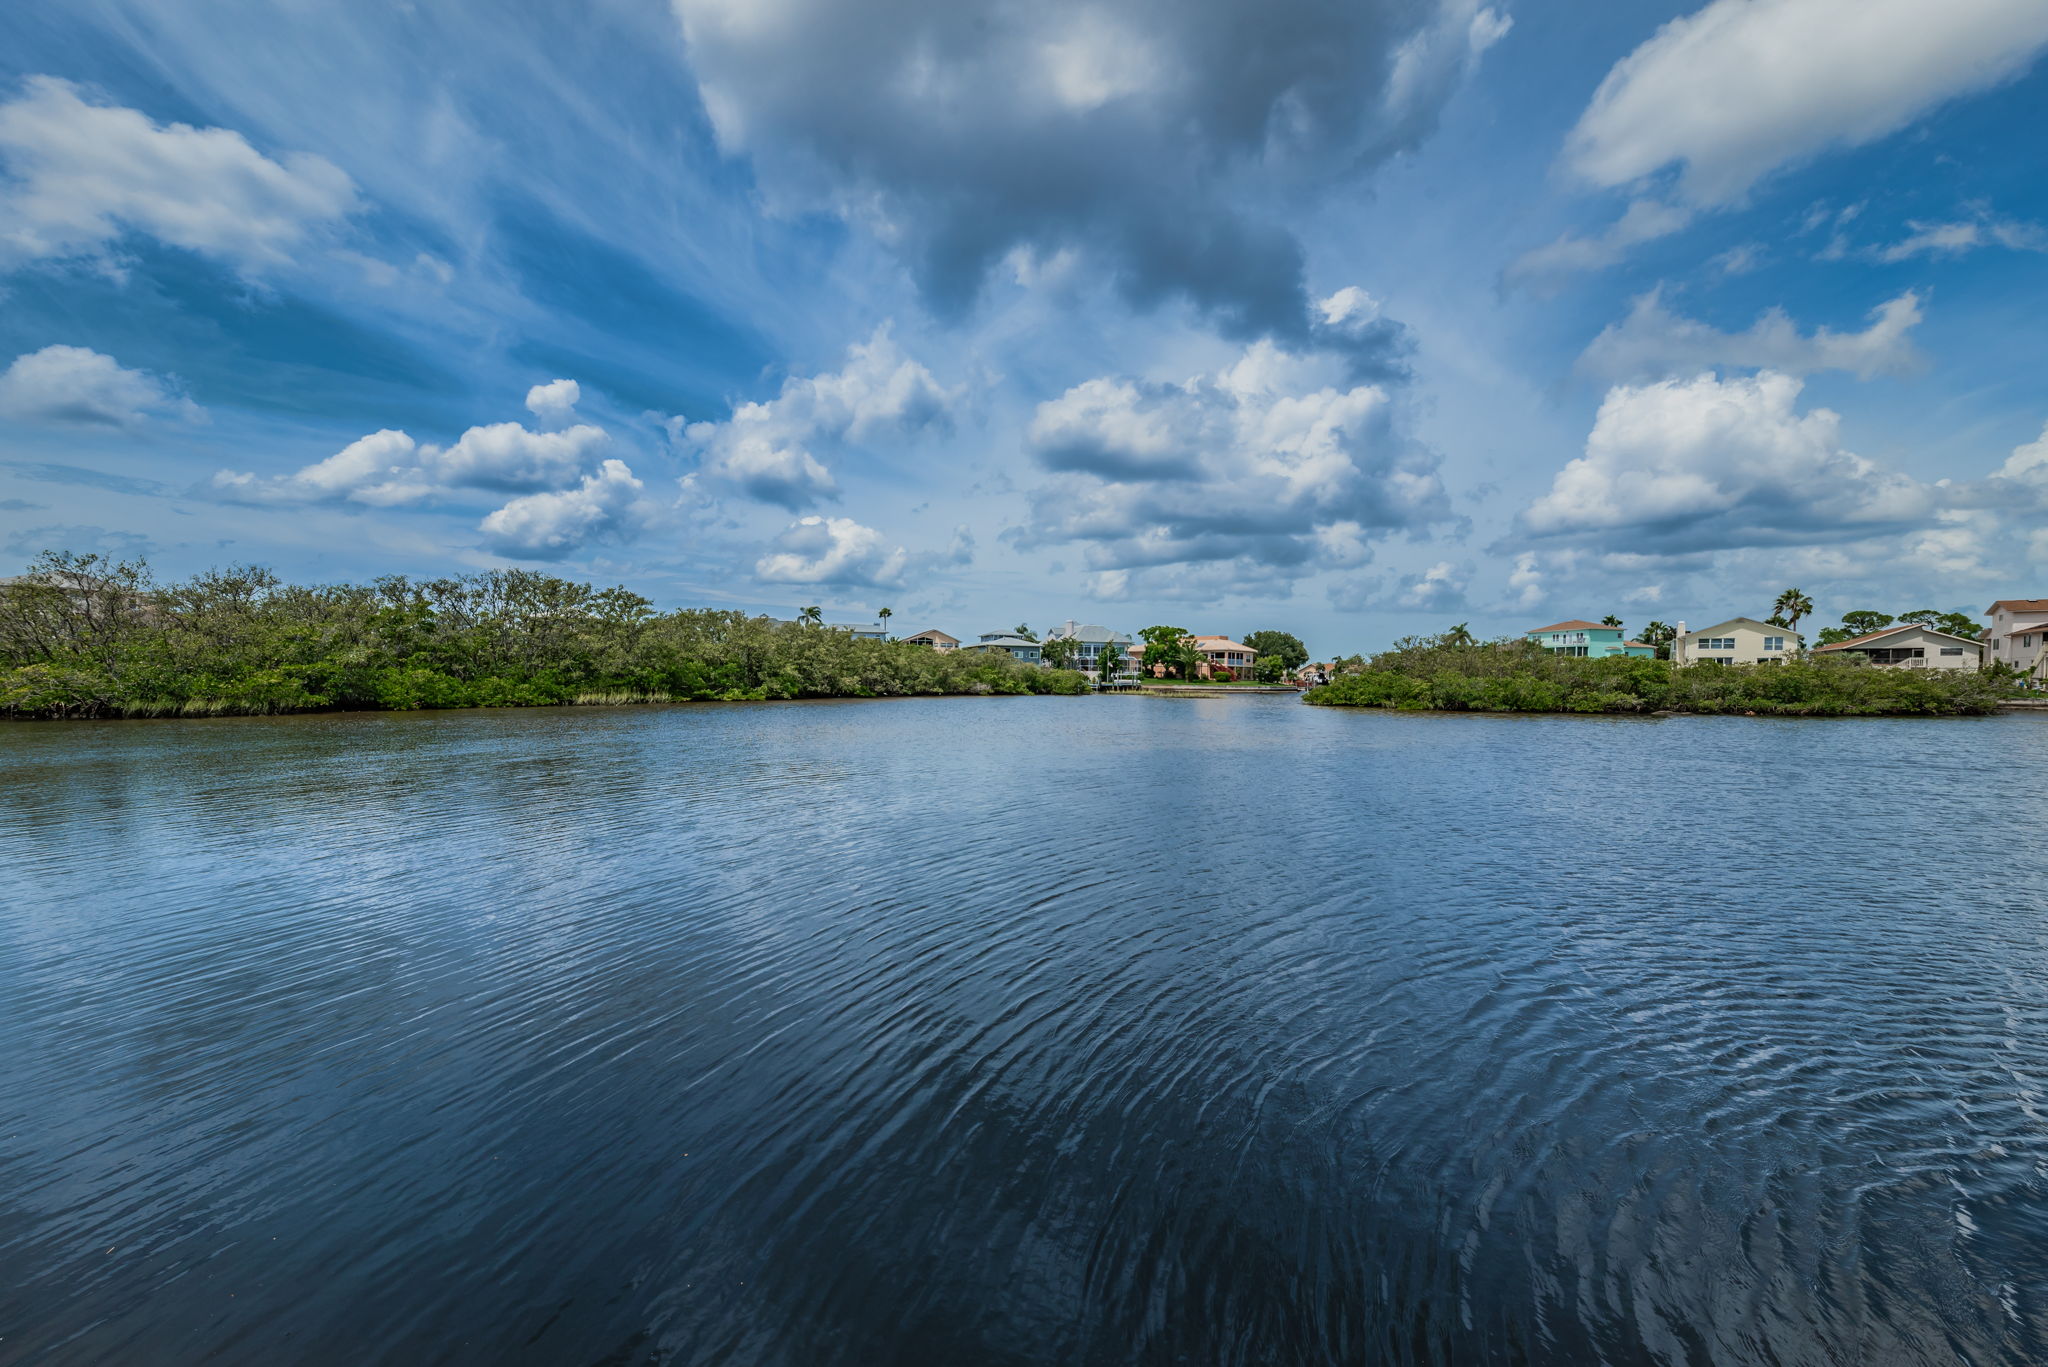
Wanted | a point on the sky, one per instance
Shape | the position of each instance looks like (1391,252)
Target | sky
(1353,320)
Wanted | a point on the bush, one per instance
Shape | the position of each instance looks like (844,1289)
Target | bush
(1455,673)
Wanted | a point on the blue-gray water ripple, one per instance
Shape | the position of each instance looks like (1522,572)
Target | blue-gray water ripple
(1023,1031)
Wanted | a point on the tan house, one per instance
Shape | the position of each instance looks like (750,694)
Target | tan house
(1737,641)
(1220,652)
(2018,635)
(1910,646)
(936,639)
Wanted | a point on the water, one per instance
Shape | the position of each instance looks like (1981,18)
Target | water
(1021,1031)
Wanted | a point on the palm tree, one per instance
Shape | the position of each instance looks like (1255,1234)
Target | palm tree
(1791,606)
(885,614)
(1610,620)
(812,616)
(1658,636)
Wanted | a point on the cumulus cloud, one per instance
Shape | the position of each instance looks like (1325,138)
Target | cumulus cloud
(555,401)
(833,550)
(79,386)
(1689,465)
(764,450)
(1151,139)
(77,175)
(1438,588)
(606,505)
(389,468)
(1653,342)
(1742,87)
(1277,462)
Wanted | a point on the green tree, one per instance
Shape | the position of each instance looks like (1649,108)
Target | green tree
(1460,635)
(885,614)
(1610,620)
(1109,663)
(1283,645)
(812,616)
(1270,669)
(1790,606)
(1920,617)
(1659,636)
(1958,624)
(1173,648)
(1023,630)
(1863,622)
(1059,652)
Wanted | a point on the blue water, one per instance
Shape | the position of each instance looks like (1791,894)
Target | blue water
(1023,1031)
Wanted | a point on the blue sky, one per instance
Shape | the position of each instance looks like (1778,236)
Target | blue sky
(1353,321)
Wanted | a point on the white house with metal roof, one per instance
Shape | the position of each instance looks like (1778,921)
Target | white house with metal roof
(1909,645)
(1737,641)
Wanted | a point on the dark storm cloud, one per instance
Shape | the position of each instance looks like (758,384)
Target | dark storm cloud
(1165,142)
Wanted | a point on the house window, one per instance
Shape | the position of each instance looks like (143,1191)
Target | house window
(2026,640)
(1774,643)
(1951,650)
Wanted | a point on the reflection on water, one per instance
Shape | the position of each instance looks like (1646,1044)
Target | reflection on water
(1023,1031)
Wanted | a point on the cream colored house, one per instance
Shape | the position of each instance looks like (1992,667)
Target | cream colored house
(1220,652)
(2018,635)
(933,637)
(1737,641)
(1910,646)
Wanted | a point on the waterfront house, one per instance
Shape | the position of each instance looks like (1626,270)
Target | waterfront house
(1089,641)
(1910,646)
(2018,635)
(1737,641)
(934,638)
(1588,640)
(1014,646)
(1220,652)
(860,631)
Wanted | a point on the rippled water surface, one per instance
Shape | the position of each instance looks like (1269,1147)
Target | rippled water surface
(1021,1031)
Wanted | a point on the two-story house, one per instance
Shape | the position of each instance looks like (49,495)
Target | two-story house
(1220,652)
(1090,641)
(1016,646)
(1737,641)
(1591,640)
(933,638)
(2018,635)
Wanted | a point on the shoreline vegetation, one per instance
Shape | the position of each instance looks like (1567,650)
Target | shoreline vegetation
(1454,673)
(90,637)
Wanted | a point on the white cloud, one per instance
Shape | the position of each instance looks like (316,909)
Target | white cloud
(389,468)
(1743,87)
(80,174)
(555,401)
(1965,235)
(76,385)
(1685,465)
(547,526)
(1644,221)
(833,550)
(764,449)
(1275,461)
(1653,342)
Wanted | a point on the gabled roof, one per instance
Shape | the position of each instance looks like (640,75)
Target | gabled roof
(1220,643)
(1639,645)
(932,631)
(1007,642)
(1869,636)
(1088,633)
(2020,605)
(1772,627)
(1573,625)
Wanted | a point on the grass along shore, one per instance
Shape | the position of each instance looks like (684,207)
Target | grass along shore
(1450,673)
(83,636)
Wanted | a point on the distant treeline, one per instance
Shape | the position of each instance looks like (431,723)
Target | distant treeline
(84,636)
(1454,673)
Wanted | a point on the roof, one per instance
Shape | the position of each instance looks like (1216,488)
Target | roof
(1221,643)
(1639,645)
(1088,633)
(1007,642)
(1771,627)
(874,628)
(1869,636)
(2020,605)
(1574,625)
(931,631)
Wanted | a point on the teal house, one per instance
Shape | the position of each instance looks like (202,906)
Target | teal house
(1589,639)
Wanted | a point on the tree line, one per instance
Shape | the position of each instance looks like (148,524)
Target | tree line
(89,636)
